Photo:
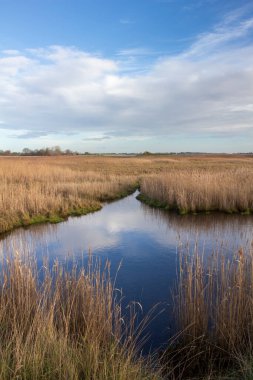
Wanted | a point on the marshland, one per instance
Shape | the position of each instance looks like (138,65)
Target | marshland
(99,284)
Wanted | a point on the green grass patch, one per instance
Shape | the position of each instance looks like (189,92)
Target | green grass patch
(38,219)
(152,202)
(130,190)
(79,211)
(246,212)
(53,218)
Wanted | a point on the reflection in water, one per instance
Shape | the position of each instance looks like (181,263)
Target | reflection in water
(144,239)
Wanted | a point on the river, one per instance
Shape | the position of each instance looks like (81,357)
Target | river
(145,243)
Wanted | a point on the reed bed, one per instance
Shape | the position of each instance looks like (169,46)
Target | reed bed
(58,324)
(37,190)
(203,189)
(214,311)
(41,189)
(65,325)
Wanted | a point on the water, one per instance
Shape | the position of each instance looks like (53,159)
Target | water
(145,241)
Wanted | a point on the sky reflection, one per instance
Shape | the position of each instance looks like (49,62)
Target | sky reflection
(143,240)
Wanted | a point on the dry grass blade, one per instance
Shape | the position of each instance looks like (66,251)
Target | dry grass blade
(61,325)
(214,310)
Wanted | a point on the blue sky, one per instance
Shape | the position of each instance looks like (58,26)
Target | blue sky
(127,76)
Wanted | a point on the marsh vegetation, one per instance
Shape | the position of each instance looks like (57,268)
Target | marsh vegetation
(57,324)
(201,190)
(61,324)
(37,190)
(41,189)
(214,311)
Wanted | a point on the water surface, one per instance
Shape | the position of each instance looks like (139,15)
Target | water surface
(145,241)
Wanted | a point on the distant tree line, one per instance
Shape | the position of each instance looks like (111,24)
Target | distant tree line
(53,151)
(57,151)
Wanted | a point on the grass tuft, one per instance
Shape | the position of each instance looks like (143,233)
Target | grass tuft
(214,311)
(65,325)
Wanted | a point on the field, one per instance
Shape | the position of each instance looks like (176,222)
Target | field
(40,189)
(221,185)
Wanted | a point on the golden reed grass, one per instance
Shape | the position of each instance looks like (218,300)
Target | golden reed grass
(33,188)
(60,325)
(37,189)
(202,189)
(214,311)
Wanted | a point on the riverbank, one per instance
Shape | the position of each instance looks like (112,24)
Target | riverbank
(59,216)
(201,190)
(164,206)
(38,190)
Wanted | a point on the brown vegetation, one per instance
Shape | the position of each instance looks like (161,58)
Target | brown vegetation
(38,189)
(214,312)
(66,326)
(203,189)
(70,325)
(49,189)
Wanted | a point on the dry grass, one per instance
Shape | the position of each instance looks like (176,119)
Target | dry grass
(38,189)
(216,298)
(214,310)
(59,325)
(69,325)
(202,189)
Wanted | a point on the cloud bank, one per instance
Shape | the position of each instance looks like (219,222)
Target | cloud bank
(205,91)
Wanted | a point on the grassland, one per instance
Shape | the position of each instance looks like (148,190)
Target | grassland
(41,189)
(48,189)
(227,187)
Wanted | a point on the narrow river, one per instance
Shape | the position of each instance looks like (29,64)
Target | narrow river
(144,240)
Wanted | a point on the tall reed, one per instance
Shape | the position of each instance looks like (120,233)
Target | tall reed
(34,190)
(64,325)
(40,189)
(214,311)
(193,190)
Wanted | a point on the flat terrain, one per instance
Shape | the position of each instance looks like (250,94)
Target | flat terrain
(71,326)
(40,189)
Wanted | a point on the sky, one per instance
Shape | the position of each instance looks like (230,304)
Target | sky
(127,75)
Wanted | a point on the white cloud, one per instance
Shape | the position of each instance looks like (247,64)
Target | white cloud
(206,90)
(135,52)
(126,21)
(223,34)
(11,52)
